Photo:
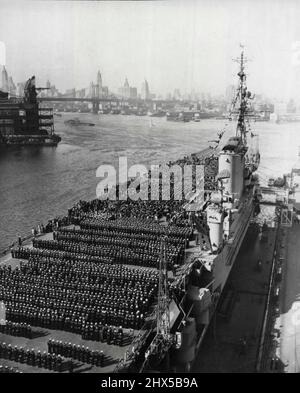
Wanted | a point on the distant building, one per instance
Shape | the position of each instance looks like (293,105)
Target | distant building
(71,93)
(80,93)
(92,90)
(12,89)
(177,95)
(124,91)
(229,93)
(127,91)
(291,106)
(98,91)
(20,89)
(47,93)
(280,108)
(99,80)
(145,92)
(104,91)
(4,85)
(133,92)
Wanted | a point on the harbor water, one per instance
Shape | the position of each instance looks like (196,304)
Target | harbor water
(39,183)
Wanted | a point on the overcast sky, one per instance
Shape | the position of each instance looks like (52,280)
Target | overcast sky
(172,44)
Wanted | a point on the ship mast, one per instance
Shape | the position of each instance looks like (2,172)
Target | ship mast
(243,96)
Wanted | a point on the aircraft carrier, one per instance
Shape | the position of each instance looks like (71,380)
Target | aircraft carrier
(140,280)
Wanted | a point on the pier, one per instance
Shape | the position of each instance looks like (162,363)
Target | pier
(234,336)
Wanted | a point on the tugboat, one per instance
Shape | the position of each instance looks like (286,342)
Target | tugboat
(76,122)
(24,122)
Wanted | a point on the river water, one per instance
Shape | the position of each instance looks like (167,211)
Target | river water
(37,184)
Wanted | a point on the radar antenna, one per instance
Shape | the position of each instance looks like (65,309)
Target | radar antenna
(243,96)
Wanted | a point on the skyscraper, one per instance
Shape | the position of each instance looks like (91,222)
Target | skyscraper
(125,90)
(177,95)
(12,87)
(99,80)
(145,93)
(99,88)
(48,92)
(20,89)
(4,86)
(229,93)
(92,90)
(133,92)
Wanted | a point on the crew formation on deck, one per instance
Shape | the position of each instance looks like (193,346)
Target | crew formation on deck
(97,278)
(64,295)
(34,358)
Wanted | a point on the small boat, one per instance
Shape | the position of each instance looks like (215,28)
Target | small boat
(77,122)
(151,124)
(196,117)
(115,111)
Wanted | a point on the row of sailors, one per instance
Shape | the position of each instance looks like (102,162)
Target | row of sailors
(96,240)
(121,234)
(16,329)
(88,330)
(9,370)
(77,352)
(25,253)
(135,226)
(173,215)
(65,301)
(49,291)
(86,292)
(32,358)
(67,319)
(51,225)
(95,271)
(89,288)
(91,280)
(103,333)
(61,276)
(141,209)
(87,276)
(119,254)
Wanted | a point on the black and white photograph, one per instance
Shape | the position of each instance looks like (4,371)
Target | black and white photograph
(149,189)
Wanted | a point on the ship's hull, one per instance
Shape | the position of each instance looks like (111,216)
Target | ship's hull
(221,267)
(223,263)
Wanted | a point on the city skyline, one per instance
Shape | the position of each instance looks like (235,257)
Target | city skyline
(176,44)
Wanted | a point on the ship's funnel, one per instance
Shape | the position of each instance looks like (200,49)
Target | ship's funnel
(231,173)
(215,219)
